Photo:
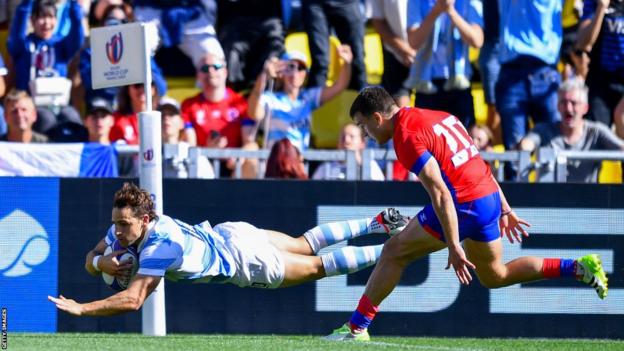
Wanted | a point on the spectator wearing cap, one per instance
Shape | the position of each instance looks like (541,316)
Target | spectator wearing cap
(175,165)
(290,108)
(99,121)
(172,123)
(20,117)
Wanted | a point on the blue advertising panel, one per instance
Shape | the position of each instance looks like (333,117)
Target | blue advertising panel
(29,252)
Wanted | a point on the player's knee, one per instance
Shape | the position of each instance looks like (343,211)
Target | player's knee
(492,280)
(393,251)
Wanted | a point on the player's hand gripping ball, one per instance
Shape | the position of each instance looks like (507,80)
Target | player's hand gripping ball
(121,283)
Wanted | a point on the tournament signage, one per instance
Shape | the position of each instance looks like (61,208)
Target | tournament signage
(117,55)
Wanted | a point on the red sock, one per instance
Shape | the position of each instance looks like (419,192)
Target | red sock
(551,268)
(363,315)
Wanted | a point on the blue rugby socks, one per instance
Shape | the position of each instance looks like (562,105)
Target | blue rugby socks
(328,234)
(350,259)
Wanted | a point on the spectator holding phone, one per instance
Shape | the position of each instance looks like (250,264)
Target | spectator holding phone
(291,105)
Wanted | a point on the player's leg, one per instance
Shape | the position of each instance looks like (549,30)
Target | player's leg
(302,268)
(412,243)
(287,243)
(493,273)
(388,221)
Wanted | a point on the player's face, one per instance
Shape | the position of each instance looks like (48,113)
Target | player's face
(372,126)
(128,227)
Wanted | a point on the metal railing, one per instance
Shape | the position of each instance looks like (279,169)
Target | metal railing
(239,155)
(496,160)
(552,165)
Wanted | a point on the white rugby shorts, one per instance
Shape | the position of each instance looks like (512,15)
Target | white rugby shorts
(258,263)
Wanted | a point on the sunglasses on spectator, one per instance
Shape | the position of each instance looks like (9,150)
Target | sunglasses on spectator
(205,68)
(291,67)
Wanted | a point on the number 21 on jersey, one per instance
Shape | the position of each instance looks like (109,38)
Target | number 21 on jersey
(457,139)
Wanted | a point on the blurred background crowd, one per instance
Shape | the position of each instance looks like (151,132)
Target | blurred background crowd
(281,74)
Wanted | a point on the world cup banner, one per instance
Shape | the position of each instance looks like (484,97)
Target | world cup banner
(117,55)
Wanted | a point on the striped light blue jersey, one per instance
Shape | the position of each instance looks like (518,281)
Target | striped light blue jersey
(291,119)
(183,252)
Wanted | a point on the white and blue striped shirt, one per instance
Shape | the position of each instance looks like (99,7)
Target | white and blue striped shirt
(183,252)
(291,119)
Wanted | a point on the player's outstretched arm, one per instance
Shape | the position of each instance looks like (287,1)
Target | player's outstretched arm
(130,299)
(442,201)
(510,224)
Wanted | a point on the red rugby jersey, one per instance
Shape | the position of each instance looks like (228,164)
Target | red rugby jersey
(224,117)
(126,127)
(420,134)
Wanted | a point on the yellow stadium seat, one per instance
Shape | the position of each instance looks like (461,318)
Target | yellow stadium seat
(181,88)
(480,107)
(4,34)
(610,172)
(329,119)
(298,41)
(373,58)
(473,54)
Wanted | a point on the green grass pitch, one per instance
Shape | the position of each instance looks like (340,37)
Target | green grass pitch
(93,342)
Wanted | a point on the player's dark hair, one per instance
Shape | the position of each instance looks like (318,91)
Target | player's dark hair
(43,7)
(370,100)
(139,200)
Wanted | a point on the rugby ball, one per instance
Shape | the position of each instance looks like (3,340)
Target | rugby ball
(121,283)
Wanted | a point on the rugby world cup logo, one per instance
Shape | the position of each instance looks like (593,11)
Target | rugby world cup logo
(148,155)
(114,48)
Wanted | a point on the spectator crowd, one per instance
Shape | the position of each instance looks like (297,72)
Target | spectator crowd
(551,71)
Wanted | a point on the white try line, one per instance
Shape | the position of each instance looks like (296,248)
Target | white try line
(415,347)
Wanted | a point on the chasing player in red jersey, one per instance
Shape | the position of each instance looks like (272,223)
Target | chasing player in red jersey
(466,205)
